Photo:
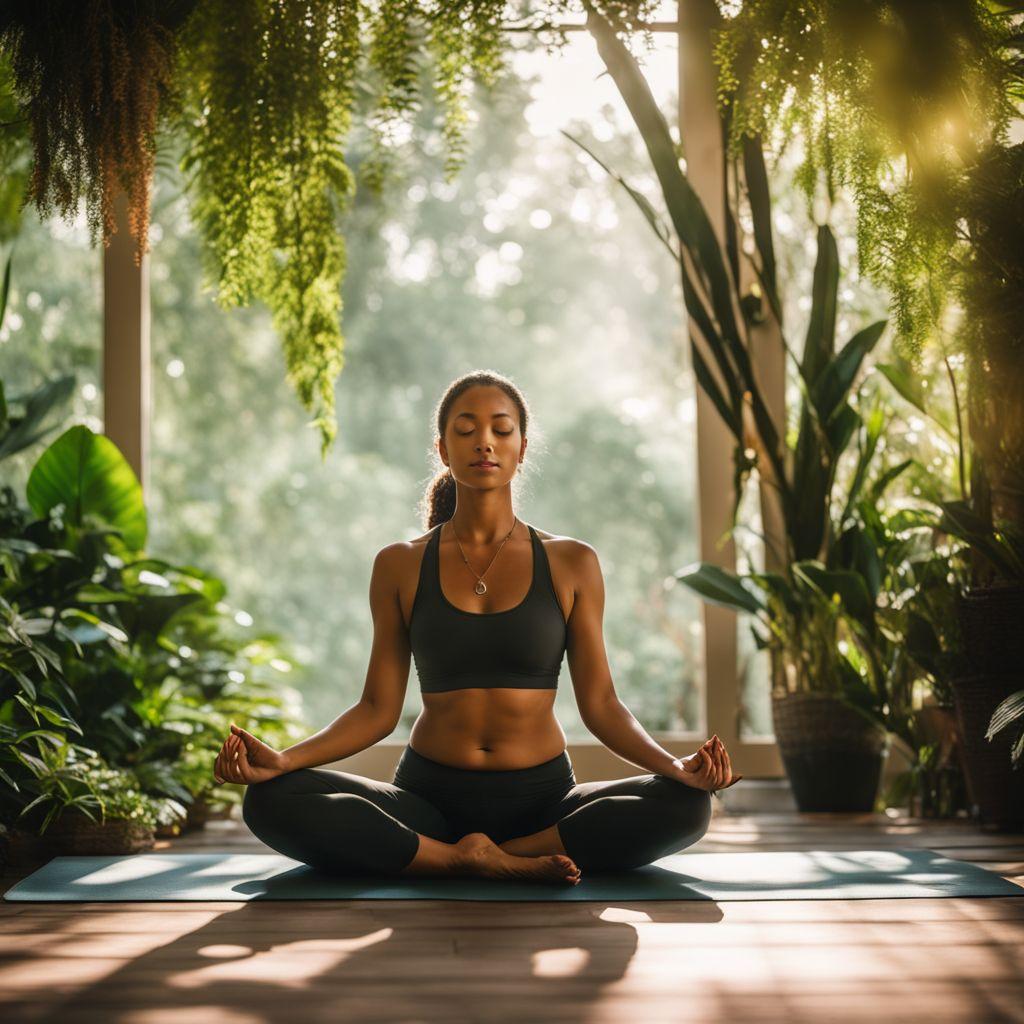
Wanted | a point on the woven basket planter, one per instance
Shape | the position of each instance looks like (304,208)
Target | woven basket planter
(76,835)
(196,815)
(941,790)
(992,622)
(833,756)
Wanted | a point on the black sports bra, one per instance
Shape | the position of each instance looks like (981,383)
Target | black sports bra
(454,649)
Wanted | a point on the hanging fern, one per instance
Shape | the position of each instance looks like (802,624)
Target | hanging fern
(463,37)
(891,99)
(91,77)
(267,116)
(396,44)
(15,154)
(261,95)
(270,90)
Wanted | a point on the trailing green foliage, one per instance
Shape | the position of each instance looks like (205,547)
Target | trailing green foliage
(263,96)
(15,153)
(268,91)
(889,99)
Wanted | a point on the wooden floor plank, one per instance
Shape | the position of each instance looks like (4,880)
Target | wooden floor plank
(905,960)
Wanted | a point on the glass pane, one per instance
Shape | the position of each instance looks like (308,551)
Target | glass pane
(53,326)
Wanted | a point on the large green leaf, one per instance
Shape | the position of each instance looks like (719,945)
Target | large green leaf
(833,385)
(821,329)
(900,375)
(185,578)
(873,427)
(886,478)
(756,176)
(961,521)
(88,475)
(719,587)
(854,550)
(150,614)
(840,429)
(776,584)
(6,287)
(922,643)
(813,457)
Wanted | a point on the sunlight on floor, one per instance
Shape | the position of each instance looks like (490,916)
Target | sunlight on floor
(560,963)
(291,965)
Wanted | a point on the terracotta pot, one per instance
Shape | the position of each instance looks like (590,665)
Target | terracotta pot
(197,814)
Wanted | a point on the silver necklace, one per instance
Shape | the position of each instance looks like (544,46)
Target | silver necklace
(481,587)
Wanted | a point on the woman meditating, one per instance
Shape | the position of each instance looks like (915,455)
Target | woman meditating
(486,605)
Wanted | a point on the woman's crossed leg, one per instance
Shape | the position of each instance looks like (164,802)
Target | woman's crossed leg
(617,824)
(339,821)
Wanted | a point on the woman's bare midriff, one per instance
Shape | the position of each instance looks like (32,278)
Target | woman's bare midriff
(497,728)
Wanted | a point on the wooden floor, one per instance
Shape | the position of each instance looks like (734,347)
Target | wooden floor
(897,960)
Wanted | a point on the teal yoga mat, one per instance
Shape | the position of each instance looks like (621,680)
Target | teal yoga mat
(804,875)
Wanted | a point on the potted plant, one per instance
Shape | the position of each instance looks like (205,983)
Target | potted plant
(814,595)
(83,806)
(829,687)
(990,518)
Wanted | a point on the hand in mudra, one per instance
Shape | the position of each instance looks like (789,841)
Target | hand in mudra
(245,759)
(710,768)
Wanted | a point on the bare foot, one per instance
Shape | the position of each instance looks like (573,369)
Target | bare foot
(478,854)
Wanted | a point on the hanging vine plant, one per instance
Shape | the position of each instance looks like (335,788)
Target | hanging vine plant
(261,95)
(267,108)
(891,99)
(90,77)
(266,96)
(15,155)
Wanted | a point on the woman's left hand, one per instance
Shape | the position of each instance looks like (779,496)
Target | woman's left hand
(708,769)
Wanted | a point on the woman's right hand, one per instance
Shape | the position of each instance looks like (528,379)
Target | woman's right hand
(245,759)
(709,769)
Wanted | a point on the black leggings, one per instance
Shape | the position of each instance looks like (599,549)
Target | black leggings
(340,822)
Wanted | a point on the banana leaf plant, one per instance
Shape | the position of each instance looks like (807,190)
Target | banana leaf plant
(831,573)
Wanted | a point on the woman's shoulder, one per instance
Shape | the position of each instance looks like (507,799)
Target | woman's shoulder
(570,545)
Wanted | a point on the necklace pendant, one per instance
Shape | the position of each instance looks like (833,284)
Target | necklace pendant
(481,587)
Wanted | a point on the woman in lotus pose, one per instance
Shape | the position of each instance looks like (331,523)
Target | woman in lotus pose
(487,605)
